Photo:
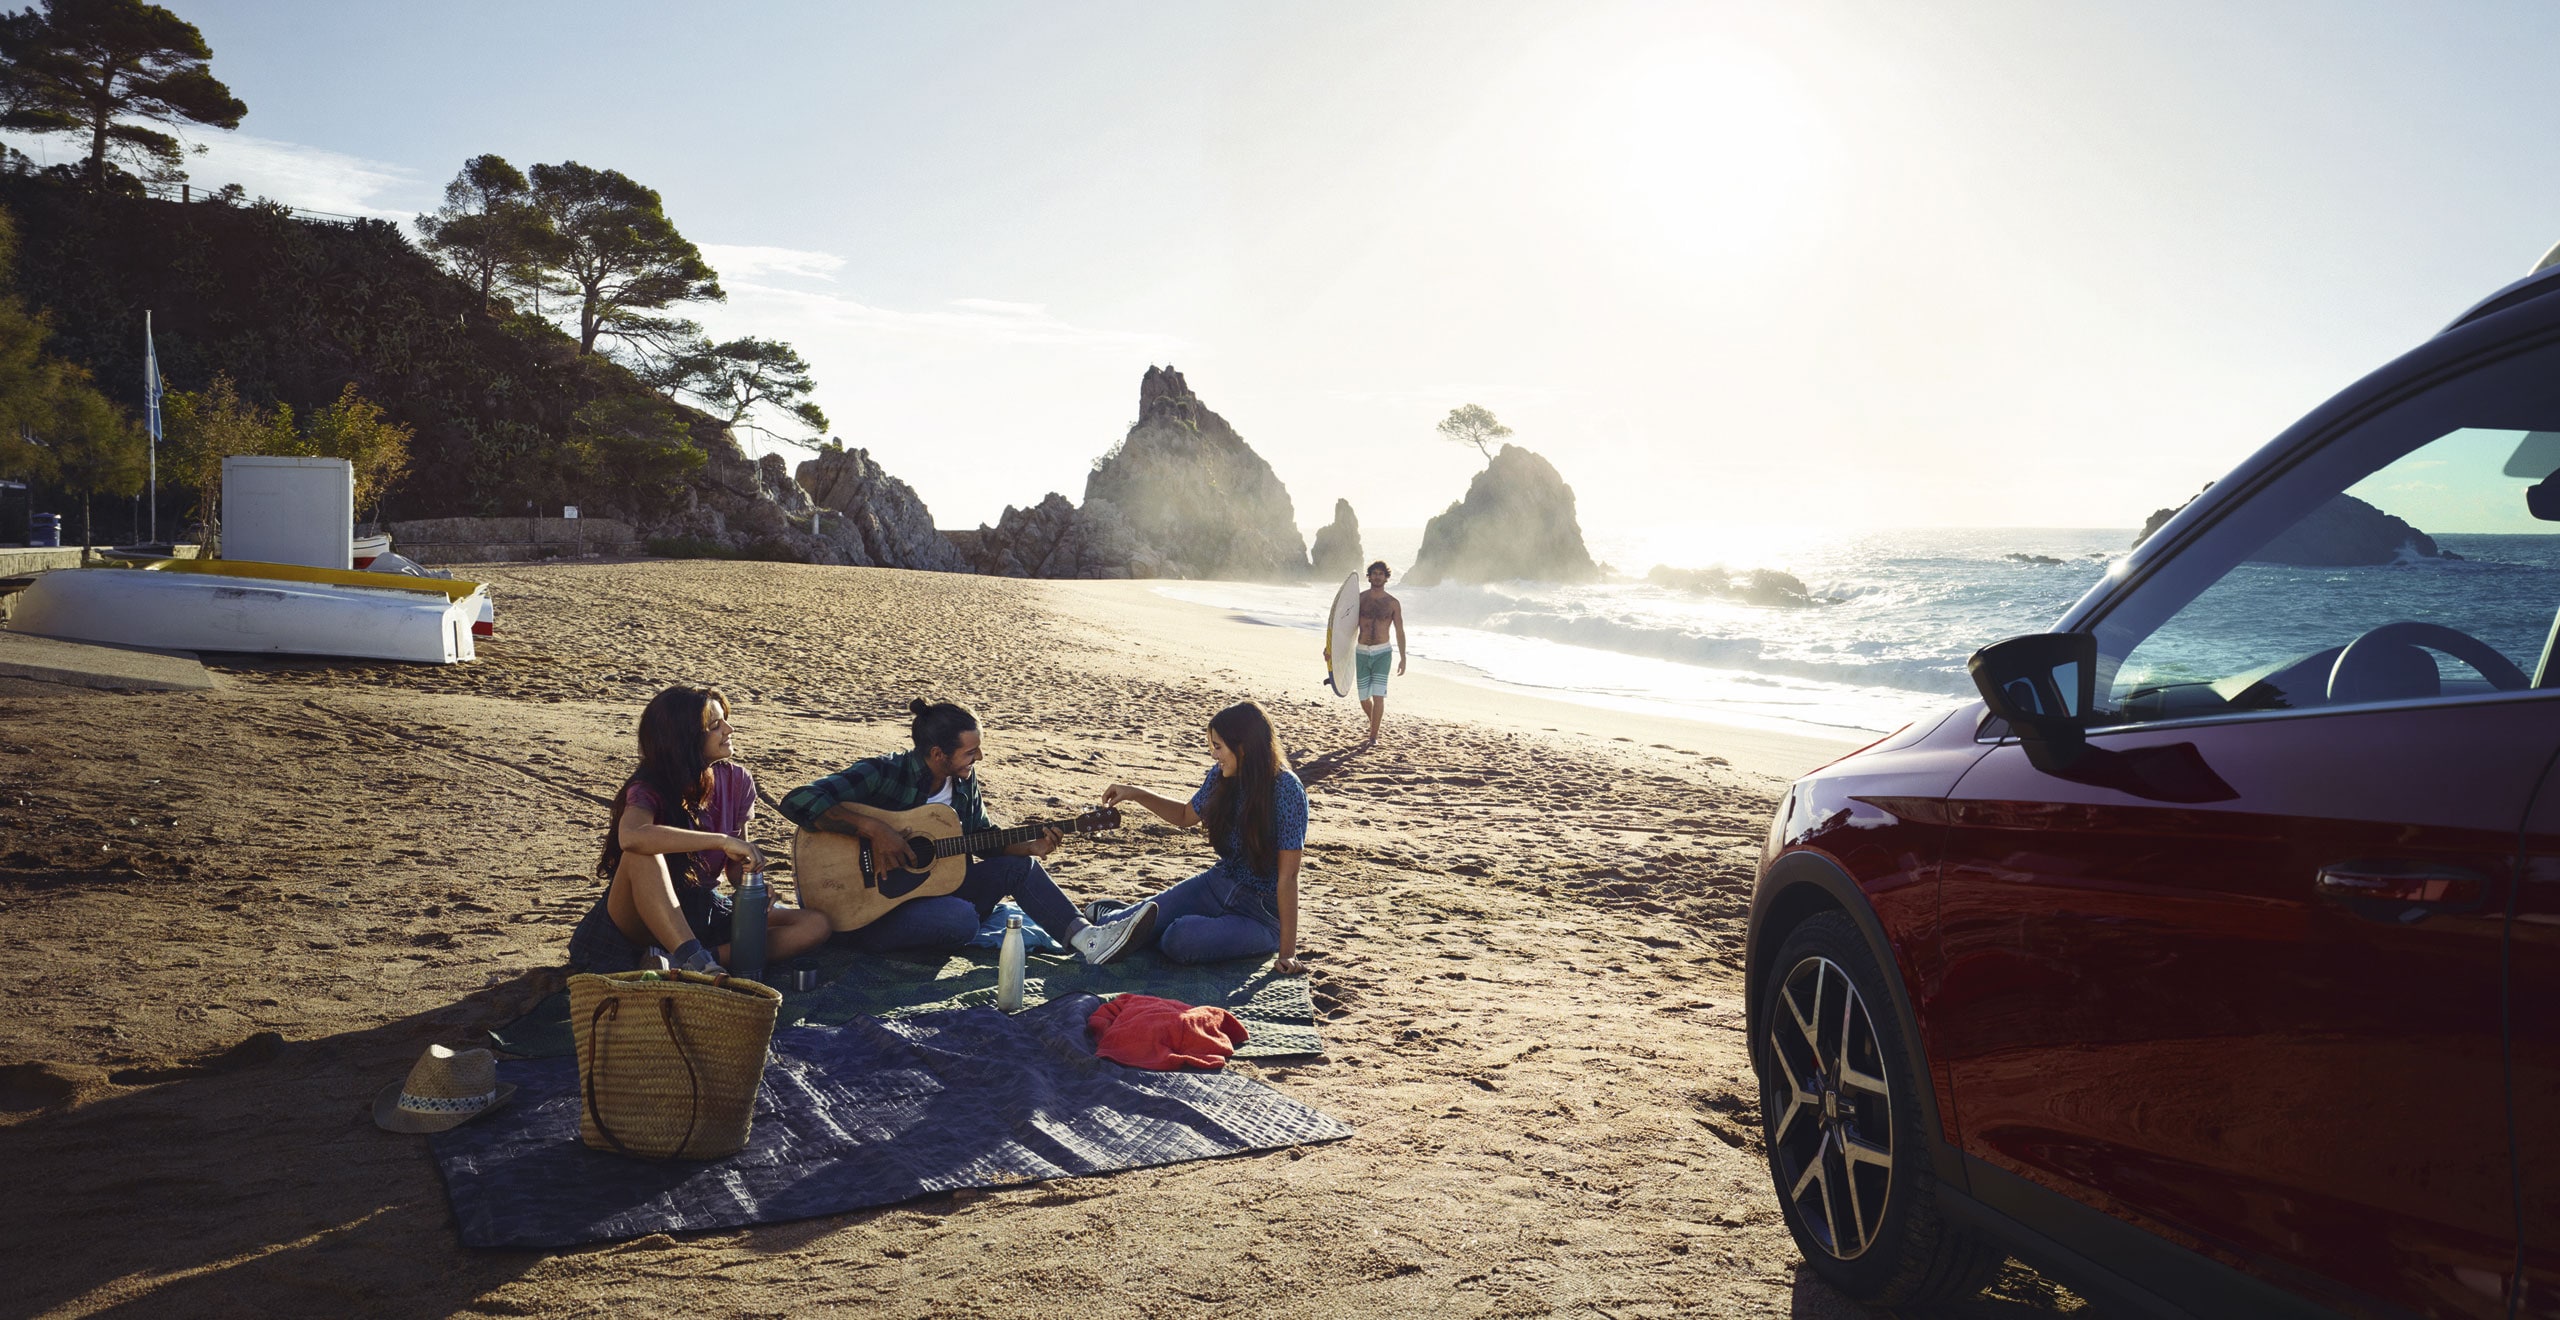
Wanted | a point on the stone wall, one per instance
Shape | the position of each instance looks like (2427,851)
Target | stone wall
(509,540)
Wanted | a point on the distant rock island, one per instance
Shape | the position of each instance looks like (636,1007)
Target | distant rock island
(1759,586)
(1516,523)
(2346,532)
(1337,547)
(1181,496)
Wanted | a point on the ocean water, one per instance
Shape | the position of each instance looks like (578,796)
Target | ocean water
(1902,610)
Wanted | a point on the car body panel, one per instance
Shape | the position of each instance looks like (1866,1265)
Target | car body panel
(2534,995)
(2151,1006)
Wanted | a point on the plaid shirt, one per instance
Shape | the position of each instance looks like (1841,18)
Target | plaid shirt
(891,783)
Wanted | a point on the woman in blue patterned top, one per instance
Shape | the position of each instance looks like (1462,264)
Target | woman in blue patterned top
(1256,813)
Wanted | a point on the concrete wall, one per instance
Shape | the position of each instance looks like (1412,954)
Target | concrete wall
(18,562)
(509,540)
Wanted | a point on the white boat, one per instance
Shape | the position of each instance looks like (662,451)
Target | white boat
(229,605)
(393,562)
(365,549)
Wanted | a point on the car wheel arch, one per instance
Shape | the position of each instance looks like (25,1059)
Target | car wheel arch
(1800,885)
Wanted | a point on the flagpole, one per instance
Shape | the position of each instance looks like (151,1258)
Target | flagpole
(151,416)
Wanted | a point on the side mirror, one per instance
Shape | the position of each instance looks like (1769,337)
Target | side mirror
(2043,686)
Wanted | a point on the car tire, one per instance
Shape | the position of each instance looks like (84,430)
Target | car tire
(1840,1112)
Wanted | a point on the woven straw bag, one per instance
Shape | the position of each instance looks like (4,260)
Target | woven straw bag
(669,1063)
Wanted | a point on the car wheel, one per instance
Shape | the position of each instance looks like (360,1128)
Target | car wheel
(1841,1115)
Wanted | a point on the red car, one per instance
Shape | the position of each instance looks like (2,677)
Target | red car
(2211,962)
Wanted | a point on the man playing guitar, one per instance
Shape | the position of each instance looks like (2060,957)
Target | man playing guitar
(942,768)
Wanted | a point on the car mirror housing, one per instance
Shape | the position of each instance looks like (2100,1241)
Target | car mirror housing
(2043,686)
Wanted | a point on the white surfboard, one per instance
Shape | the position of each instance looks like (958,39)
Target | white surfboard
(1342,637)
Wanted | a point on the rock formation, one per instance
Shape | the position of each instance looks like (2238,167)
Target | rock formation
(1194,494)
(2346,532)
(1517,522)
(875,515)
(1337,548)
(755,509)
(1055,539)
(1759,586)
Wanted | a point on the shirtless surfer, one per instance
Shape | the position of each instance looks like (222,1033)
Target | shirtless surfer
(1378,612)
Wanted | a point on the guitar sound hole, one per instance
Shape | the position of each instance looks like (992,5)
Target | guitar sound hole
(903,880)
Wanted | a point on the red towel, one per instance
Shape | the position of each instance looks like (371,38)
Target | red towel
(1143,1031)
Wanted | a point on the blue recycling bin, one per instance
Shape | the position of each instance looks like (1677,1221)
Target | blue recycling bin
(44,529)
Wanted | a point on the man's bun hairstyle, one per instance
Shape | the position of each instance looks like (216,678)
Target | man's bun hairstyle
(939,724)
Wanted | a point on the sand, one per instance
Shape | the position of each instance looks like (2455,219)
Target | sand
(228,917)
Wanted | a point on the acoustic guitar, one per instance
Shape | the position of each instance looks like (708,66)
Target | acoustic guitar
(833,869)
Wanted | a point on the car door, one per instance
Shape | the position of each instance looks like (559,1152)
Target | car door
(2235,977)
(2533,1028)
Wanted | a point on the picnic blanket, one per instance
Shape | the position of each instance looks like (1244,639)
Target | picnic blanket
(865,1114)
(1278,1014)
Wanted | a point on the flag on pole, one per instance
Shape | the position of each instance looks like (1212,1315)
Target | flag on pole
(151,416)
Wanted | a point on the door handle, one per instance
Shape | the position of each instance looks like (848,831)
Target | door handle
(2389,889)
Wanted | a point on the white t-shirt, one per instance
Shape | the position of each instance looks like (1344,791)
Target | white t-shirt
(944,797)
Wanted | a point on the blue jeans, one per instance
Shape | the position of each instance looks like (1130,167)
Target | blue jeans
(1212,917)
(951,920)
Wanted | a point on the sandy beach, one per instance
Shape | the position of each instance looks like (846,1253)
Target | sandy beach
(227,918)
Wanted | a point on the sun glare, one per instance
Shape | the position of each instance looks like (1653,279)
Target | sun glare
(1691,152)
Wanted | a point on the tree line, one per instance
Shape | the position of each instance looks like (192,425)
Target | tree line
(588,251)
(601,243)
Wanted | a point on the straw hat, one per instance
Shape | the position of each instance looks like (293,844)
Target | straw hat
(447,1089)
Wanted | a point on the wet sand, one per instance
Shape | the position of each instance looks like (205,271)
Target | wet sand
(227,918)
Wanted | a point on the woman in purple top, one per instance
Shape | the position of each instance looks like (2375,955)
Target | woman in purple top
(678,826)
(1246,906)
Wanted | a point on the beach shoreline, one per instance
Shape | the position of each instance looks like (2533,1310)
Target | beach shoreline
(233,915)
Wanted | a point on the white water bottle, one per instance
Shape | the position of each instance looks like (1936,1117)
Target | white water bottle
(1009,967)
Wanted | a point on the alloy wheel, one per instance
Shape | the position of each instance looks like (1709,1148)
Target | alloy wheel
(1832,1143)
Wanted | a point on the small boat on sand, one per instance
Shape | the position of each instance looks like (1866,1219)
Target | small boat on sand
(238,605)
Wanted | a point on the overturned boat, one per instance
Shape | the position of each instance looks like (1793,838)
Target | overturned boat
(241,605)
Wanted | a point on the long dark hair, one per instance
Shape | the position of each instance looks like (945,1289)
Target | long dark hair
(1247,732)
(671,765)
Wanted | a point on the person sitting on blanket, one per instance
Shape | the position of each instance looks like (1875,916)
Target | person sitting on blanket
(677,825)
(943,768)
(1256,812)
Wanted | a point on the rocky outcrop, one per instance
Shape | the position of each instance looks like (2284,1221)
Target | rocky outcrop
(870,514)
(2346,532)
(1055,539)
(1337,548)
(746,507)
(2160,517)
(756,509)
(1516,523)
(1193,494)
(1758,586)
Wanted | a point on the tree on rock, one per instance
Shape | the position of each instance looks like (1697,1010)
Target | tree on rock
(736,377)
(1475,426)
(488,231)
(92,66)
(618,254)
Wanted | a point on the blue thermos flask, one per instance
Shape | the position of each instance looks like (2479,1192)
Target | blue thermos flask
(747,927)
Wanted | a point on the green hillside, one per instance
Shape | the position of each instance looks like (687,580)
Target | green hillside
(507,414)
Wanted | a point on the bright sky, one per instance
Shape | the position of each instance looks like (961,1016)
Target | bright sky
(1834,262)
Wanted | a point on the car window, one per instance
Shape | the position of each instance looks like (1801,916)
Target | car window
(2401,563)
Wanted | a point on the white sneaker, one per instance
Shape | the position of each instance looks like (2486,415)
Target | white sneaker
(1100,944)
